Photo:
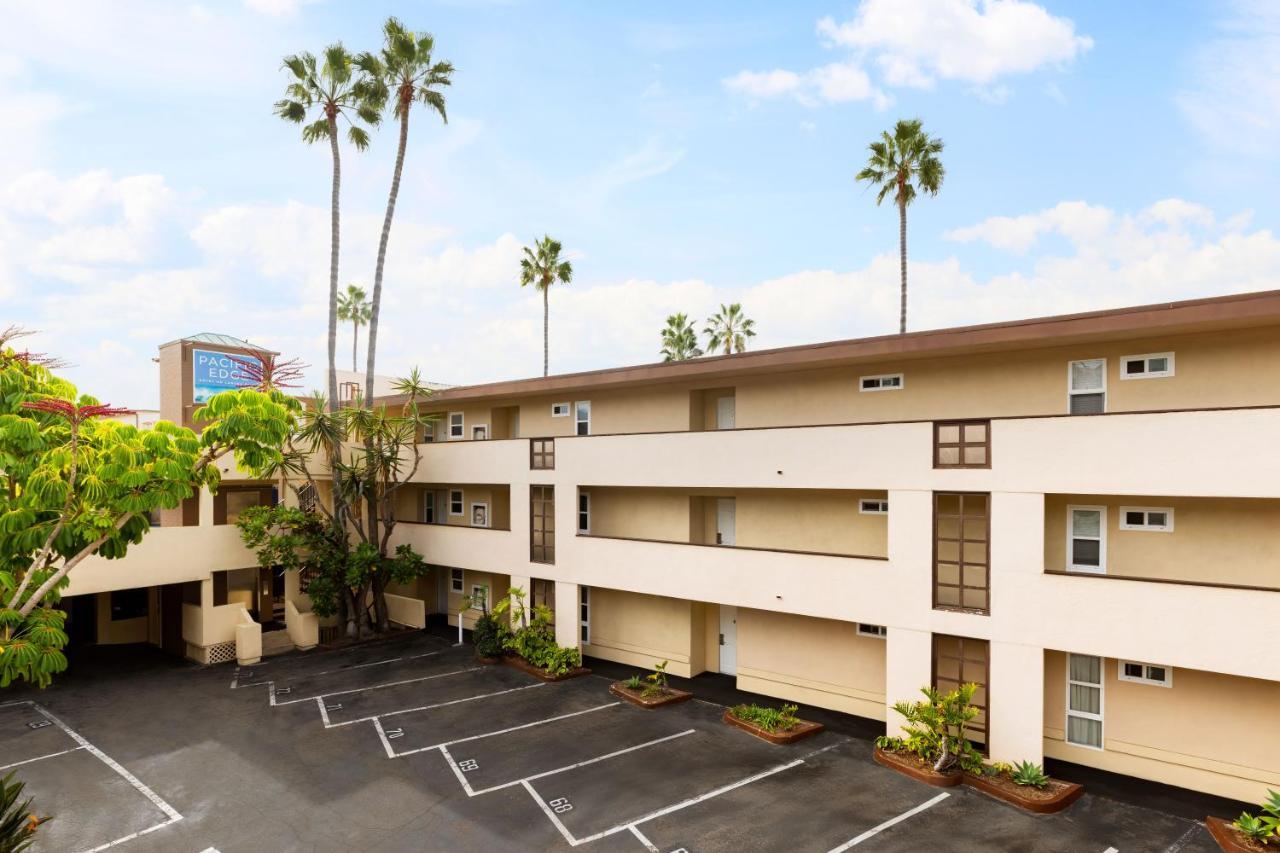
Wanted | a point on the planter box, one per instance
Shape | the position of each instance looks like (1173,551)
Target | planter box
(481,659)
(1056,797)
(803,729)
(1230,839)
(909,765)
(523,665)
(670,697)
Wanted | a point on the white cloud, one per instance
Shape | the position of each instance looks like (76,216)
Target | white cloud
(1074,219)
(274,8)
(915,43)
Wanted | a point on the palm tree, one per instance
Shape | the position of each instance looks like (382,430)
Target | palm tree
(679,340)
(729,329)
(406,72)
(354,308)
(333,91)
(898,164)
(542,267)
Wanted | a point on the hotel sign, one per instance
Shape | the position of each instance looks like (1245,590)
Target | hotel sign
(215,372)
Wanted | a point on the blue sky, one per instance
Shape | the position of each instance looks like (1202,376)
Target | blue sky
(1098,154)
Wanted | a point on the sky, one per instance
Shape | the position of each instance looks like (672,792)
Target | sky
(1098,154)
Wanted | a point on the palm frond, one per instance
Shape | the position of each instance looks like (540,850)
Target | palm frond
(317,131)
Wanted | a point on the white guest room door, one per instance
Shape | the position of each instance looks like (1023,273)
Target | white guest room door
(728,640)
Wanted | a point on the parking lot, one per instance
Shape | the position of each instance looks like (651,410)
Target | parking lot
(410,745)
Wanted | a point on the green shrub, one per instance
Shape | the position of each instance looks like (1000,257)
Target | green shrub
(18,823)
(890,743)
(998,768)
(1029,774)
(536,641)
(490,636)
(560,660)
(936,726)
(634,683)
(656,681)
(1264,828)
(770,719)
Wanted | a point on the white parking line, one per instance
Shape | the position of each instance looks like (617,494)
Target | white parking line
(235,680)
(466,786)
(640,836)
(876,830)
(320,696)
(442,704)
(40,758)
(506,730)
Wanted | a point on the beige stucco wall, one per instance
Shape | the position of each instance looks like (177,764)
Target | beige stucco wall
(409,503)
(498,586)
(642,630)
(821,662)
(126,630)
(1208,732)
(1219,540)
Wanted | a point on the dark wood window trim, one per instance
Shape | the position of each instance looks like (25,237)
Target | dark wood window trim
(964,445)
(449,526)
(970,667)
(962,539)
(1173,581)
(542,454)
(734,547)
(542,524)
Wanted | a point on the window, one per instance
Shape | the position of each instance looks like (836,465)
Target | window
(455,580)
(307,497)
(1084,700)
(962,444)
(479,432)
(887,382)
(1145,673)
(455,426)
(128,604)
(1087,386)
(480,597)
(560,410)
(479,514)
(584,612)
(962,660)
(455,502)
(429,432)
(1157,519)
(542,454)
(542,524)
(960,561)
(1153,366)
(873,506)
(542,593)
(584,512)
(582,417)
(429,507)
(1087,539)
(866,630)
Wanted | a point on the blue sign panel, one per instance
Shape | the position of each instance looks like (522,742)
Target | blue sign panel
(214,372)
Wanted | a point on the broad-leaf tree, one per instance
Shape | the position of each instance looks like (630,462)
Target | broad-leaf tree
(75,483)
(354,308)
(679,340)
(542,267)
(406,72)
(902,165)
(729,329)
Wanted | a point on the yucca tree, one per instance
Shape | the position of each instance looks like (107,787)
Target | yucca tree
(542,267)
(679,340)
(900,163)
(406,72)
(729,330)
(320,94)
(354,308)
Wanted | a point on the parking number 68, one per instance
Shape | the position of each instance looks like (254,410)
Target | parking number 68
(560,805)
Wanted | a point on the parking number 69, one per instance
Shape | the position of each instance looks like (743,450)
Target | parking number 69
(469,764)
(560,805)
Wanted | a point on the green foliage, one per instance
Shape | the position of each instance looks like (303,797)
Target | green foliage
(18,824)
(679,340)
(936,726)
(1263,828)
(729,330)
(635,683)
(490,636)
(770,719)
(656,681)
(889,743)
(998,768)
(536,641)
(1029,774)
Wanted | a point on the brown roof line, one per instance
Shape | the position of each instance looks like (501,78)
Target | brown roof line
(1235,309)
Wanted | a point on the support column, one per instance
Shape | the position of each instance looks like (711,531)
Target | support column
(568,615)
(206,508)
(908,667)
(1016,697)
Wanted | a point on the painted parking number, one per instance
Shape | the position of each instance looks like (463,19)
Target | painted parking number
(468,765)
(560,805)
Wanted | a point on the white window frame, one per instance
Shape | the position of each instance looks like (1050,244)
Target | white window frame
(457,581)
(428,507)
(584,498)
(568,410)
(1146,359)
(584,614)
(1101,568)
(461,425)
(429,432)
(1145,678)
(1147,527)
(488,519)
(577,421)
(1101,687)
(461,502)
(483,589)
(881,506)
(877,631)
(880,378)
(1072,392)
(484,436)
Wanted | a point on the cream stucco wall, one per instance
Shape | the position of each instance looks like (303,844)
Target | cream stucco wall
(642,630)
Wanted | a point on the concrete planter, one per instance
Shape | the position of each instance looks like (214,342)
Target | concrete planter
(802,730)
(517,662)
(1054,799)
(909,765)
(1230,839)
(670,697)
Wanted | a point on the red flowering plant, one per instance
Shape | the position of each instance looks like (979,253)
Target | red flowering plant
(75,484)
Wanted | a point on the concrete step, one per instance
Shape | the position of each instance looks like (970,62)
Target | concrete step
(275,643)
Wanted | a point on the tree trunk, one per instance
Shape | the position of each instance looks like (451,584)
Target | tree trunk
(355,343)
(382,248)
(944,760)
(380,603)
(902,260)
(546,361)
(334,243)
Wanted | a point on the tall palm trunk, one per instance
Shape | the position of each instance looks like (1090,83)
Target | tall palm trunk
(546,315)
(902,262)
(334,231)
(355,341)
(405,103)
